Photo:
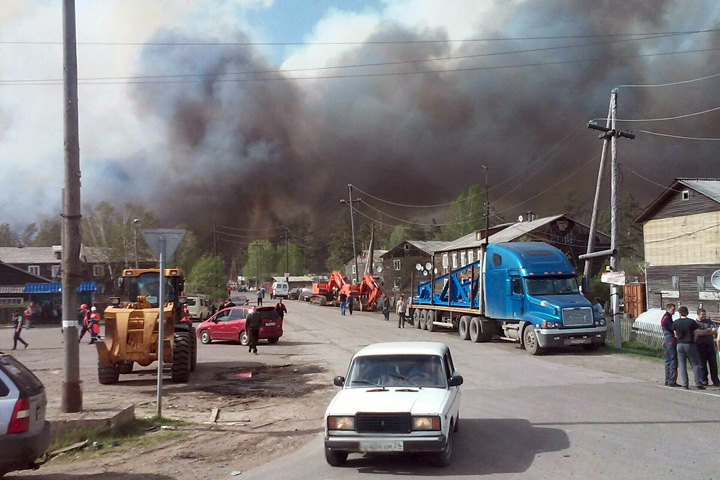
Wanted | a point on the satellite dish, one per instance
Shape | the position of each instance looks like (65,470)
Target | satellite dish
(378,269)
(520,218)
(436,271)
(428,266)
(418,266)
(425,273)
(715,279)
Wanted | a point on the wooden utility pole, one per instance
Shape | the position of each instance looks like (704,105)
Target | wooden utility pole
(352,227)
(287,272)
(71,400)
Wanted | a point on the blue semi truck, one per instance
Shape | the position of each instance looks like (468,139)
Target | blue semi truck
(521,291)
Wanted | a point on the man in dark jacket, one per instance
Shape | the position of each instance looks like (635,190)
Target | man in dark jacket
(706,350)
(684,329)
(252,325)
(670,345)
(281,309)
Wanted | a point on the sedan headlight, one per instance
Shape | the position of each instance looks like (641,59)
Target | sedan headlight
(426,423)
(341,423)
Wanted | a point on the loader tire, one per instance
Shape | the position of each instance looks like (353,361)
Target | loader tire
(108,374)
(181,357)
(193,358)
(126,367)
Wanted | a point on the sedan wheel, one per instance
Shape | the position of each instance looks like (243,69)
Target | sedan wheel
(244,338)
(443,459)
(205,337)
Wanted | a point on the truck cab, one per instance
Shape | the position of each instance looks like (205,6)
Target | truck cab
(532,288)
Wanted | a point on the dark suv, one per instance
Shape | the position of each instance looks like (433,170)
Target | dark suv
(24,433)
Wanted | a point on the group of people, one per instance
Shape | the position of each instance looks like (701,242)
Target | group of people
(346,303)
(401,307)
(89,318)
(690,340)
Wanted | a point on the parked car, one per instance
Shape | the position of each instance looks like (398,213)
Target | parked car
(239,299)
(199,307)
(397,397)
(229,324)
(305,294)
(294,294)
(24,432)
(279,289)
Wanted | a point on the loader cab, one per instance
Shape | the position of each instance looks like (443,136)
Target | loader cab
(146,283)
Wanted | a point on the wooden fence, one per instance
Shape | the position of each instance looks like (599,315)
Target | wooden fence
(650,335)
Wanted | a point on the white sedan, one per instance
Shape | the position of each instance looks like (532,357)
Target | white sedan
(398,397)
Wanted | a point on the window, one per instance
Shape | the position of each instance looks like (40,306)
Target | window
(354,270)
(34,269)
(675,282)
(470,256)
(701,283)
(397,282)
(685,195)
(397,264)
(517,287)
(238,313)
(497,260)
(55,271)
(445,260)
(11,301)
(455,260)
(463,259)
(98,270)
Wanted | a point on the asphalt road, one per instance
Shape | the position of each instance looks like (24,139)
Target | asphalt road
(567,414)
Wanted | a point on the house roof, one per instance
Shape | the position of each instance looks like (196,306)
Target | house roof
(427,246)
(57,287)
(709,187)
(363,254)
(28,255)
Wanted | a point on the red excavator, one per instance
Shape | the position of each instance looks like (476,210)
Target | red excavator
(366,293)
(327,292)
(369,291)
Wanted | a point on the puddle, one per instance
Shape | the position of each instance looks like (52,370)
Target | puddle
(284,381)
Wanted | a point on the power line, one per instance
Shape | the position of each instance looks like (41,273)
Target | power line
(683,82)
(362,65)
(372,75)
(681,137)
(648,180)
(663,119)
(251,229)
(365,42)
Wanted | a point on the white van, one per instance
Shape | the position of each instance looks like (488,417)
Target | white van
(279,289)
(199,307)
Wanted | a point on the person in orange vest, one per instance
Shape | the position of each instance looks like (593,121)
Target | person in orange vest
(94,324)
(186,314)
(83,315)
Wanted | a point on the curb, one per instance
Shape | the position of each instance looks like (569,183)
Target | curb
(124,417)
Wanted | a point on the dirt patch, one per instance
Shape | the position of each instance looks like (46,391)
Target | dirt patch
(264,381)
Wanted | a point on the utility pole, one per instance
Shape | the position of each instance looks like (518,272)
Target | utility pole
(71,400)
(136,221)
(287,272)
(487,207)
(352,226)
(215,238)
(610,133)
(257,266)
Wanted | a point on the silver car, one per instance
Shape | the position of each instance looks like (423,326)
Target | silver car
(24,432)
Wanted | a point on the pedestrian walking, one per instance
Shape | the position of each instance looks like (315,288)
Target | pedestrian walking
(17,329)
(83,320)
(350,303)
(670,346)
(706,350)
(400,309)
(28,314)
(685,329)
(597,307)
(94,324)
(252,325)
(386,307)
(260,297)
(213,309)
(281,309)
(343,302)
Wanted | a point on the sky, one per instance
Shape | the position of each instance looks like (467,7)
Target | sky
(429,92)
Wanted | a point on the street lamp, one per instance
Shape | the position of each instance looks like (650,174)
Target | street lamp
(136,222)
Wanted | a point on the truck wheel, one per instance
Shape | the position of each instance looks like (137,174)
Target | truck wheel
(273,339)
(334,457)
(464,327)
(181,357)
(443,459)
(429,321)
(487,330)
(108,374)
(475,331)
(530,341)
(193,358)
(591,347)
(423,319)
(416,318)
(244,338)
(205,337)
(126,367)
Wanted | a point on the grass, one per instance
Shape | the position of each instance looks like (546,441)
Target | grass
(133,434)
(637,349)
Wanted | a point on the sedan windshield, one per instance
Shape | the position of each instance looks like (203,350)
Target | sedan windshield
(551,286)
(397,371)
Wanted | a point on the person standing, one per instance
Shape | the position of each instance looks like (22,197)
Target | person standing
(706,350)
(343,300)
(94,324)
(386,307)
(17,329)
(212,309)
(28,314)
(281,309)
(83,320)
(670,346)
(400,309)
(684,329)
(350,303)
(260,297)
(252,325)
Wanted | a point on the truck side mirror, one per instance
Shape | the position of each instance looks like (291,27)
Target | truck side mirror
(584,285)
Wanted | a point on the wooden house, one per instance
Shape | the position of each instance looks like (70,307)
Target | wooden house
(681,236)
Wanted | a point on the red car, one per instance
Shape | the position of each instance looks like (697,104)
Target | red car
(229,324)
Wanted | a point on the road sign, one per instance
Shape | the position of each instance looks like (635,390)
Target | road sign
(613,278)
(172,236)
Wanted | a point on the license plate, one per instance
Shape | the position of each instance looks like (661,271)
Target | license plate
(579,341)
(381,446)
(270,324)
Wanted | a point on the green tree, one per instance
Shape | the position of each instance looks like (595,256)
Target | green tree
(188,252)
(8,238)
(27,238)
(340,242)
(630,234)
(261,260)
(208,277)
(467,214)
(49,233)
(575,206)
(406,232)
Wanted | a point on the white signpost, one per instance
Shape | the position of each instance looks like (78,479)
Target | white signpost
(613,278)
(162,243)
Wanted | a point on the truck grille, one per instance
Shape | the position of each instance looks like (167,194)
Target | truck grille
(383,423)
(577,317)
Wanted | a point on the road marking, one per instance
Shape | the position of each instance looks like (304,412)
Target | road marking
(699,392)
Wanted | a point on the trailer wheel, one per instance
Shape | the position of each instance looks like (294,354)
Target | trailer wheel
(464,327)
(475,332)
(430,321)
(531,342)
(423,318)
(416,318)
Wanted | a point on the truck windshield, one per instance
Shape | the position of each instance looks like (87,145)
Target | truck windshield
(147,284)
(551,286)
(397,371)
